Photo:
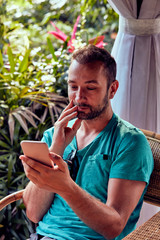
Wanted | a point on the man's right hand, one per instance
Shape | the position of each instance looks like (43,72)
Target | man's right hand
(63,134)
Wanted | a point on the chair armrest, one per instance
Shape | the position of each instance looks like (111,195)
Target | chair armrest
(11,198)
(149,230)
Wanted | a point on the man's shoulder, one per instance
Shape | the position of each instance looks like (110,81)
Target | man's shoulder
(127,131)
(126,127)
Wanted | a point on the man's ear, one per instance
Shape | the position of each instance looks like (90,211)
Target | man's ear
(113,89)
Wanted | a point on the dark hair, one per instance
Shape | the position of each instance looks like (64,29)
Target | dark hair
(91,53)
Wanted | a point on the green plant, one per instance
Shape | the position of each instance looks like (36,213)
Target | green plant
(33,82)
(29,104)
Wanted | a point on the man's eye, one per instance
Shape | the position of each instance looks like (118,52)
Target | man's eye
(73,87)
(91,88)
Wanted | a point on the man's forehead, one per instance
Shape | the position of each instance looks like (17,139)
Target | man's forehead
(91,70)
(89,73)
(75,63)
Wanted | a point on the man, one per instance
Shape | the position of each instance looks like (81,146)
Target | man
(109,160)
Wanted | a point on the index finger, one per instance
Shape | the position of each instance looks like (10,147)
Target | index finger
(34,163)
(70,105)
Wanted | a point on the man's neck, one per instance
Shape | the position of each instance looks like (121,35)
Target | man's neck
(96,124)
(91,128)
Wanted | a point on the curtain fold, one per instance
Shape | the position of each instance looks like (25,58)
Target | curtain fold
(138,97)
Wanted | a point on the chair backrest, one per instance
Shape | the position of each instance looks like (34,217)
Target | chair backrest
(152,195)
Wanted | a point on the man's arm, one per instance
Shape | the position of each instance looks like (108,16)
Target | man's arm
(107,219)
(38,200)
(35,210)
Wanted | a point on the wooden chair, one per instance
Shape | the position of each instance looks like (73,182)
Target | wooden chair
(11,198)
(150,229)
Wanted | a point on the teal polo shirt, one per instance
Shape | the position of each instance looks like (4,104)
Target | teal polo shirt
(119,151)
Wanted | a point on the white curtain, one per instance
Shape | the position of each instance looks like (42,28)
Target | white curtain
(138,59)
(137,53)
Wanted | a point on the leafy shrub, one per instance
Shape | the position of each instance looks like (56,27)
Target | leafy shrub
(29,104)
(33,88)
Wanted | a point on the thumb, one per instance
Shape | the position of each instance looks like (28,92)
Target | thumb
(57,159)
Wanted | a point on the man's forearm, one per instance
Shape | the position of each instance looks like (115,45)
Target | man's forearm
(97,215)
(37,202)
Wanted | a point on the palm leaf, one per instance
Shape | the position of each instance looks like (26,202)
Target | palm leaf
(18,178)
(29,118)
(24,64)
(51,114)
(32,94)
(11,60)
(11,124)
(31,113)
(23,91)
(42,119)
(53,106)
(1,59)
(11,162)
(50,46)
(4,145)
(5,136)
(22,121)
(21,114)
(44,115)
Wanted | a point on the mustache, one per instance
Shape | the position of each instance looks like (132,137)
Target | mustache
(82,105)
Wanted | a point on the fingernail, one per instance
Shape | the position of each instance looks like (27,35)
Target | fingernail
(52,155)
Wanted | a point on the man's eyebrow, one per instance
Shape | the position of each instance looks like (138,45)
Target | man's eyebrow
(71,81)
(92,81)
(87,82)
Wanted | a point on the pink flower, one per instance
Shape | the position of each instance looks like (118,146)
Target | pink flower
(98,41)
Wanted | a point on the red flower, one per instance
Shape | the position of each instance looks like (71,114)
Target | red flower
(98,41)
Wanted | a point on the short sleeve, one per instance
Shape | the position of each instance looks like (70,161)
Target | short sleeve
(134,160)
(47,136)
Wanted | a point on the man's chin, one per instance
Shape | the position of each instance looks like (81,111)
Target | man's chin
(85,116)
(82,115)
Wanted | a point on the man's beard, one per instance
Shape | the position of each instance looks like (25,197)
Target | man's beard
(94,112)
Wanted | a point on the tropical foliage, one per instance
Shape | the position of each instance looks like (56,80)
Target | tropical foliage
(37,38)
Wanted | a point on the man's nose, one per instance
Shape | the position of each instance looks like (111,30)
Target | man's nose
(80,94)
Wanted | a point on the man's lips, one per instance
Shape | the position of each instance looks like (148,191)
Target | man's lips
(82,108)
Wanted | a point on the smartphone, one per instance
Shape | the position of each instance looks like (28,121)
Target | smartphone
(36,150)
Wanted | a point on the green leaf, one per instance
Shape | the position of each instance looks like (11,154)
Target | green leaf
(18,178)
(4,145)
(51,48)
(5,136)
(24,64)
(1,59)
(11,162)
(65,44)
(24,91)
(2,76)
(14,233)
(11,60)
